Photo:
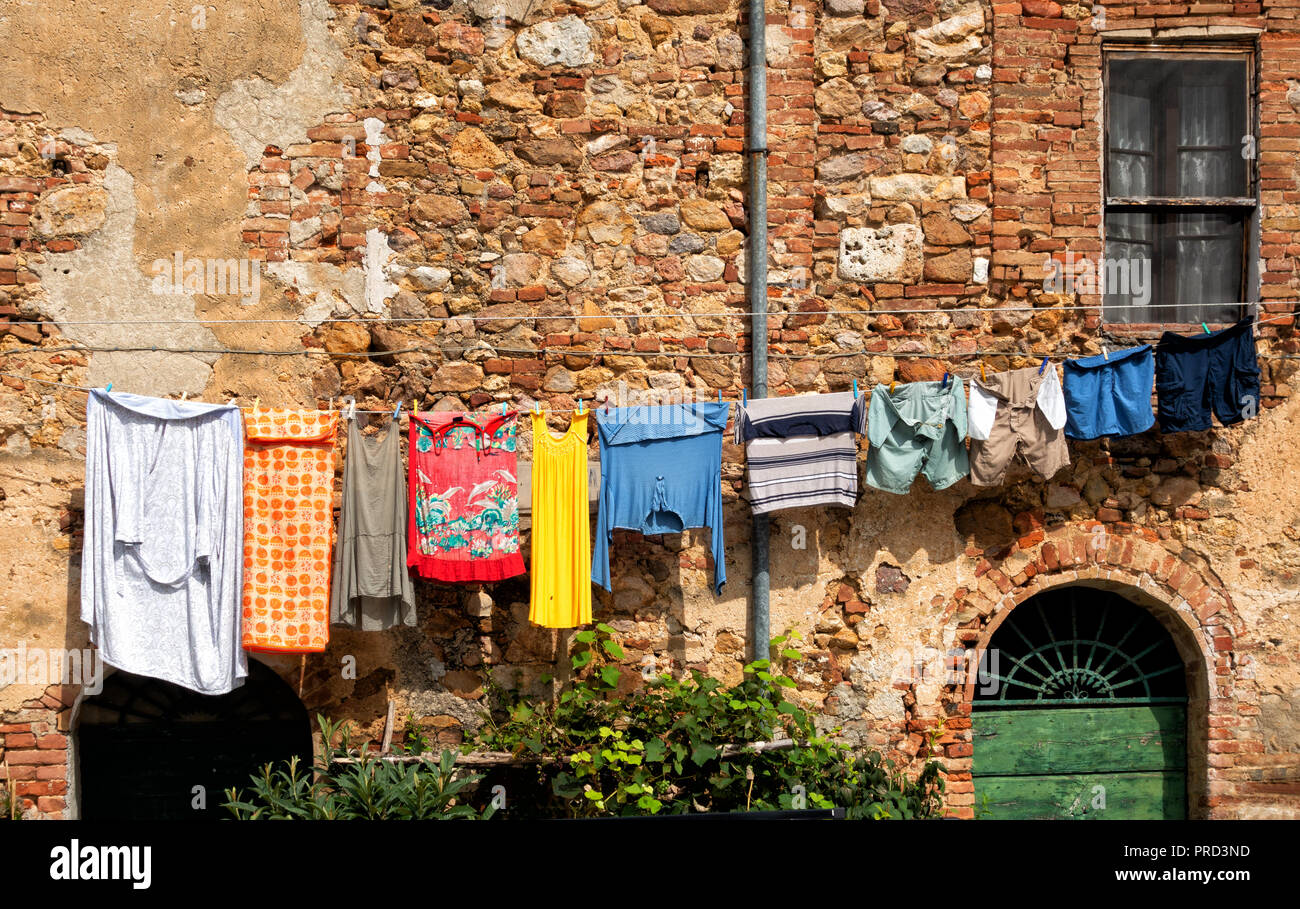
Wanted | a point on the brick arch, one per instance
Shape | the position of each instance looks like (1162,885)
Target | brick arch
(1189,601)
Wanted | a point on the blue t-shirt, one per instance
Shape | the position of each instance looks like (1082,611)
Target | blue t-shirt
(660,472)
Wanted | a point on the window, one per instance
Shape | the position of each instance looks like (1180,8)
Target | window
(1180,185)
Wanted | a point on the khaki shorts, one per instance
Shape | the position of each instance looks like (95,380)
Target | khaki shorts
(1020,424)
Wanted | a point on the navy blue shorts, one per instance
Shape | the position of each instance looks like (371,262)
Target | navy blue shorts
(1199,373)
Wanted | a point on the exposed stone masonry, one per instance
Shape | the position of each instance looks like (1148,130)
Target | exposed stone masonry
(572,177)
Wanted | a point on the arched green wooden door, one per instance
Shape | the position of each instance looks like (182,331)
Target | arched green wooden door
(1080,711)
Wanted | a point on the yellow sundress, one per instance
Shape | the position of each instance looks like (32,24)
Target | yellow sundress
(561,559)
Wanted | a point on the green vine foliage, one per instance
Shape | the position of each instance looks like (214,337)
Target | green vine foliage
(662,748)
(415,739)
(669,746)
(370,789)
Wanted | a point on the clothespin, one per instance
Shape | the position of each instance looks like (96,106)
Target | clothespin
(855,388)
(108,387)
(719,395)
(1206,327)
(1105,352)
(945,380)
(257,402)
(983,375)
(537,407)
(580,407)
(1044,366)
(397,410)
(891,387)
(184,395)
(351,412)
(331,410)
(744,395)
(505,405)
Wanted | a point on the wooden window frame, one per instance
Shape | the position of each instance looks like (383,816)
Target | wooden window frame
(1248,51)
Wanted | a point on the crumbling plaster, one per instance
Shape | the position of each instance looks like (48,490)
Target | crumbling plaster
(195,102)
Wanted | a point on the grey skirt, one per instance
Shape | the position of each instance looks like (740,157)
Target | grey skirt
(371,589)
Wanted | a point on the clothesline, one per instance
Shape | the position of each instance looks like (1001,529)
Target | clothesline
(70,386)
(732,314)
(595,405)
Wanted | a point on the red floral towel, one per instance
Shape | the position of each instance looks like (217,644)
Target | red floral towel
(464,514)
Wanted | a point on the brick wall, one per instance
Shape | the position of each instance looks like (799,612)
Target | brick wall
(34,753)
(924,158)
(51,167)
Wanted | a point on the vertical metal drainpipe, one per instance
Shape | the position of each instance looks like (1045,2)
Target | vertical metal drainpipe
(756,288)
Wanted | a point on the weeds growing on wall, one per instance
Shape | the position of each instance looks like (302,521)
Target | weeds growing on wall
(9,806)
(677,746)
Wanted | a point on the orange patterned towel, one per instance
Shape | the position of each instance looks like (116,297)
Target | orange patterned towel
(288,529)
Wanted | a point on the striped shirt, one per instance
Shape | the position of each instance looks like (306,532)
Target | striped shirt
(801,450)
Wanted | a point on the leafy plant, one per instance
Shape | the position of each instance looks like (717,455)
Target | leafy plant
(414,739)
(574,720)
(616,764)
(679,745)
(363,788)
(599,749)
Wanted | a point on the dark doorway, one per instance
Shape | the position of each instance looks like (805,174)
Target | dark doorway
(143,744)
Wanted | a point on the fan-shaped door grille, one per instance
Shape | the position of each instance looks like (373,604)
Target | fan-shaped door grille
(1078,645)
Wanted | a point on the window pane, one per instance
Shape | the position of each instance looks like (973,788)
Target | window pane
(1131,169)
(1127,272)
(1167,266)
(1211,125)
(1207,247)
(1175,126)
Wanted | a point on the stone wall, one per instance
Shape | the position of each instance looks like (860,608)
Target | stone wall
(525,199)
